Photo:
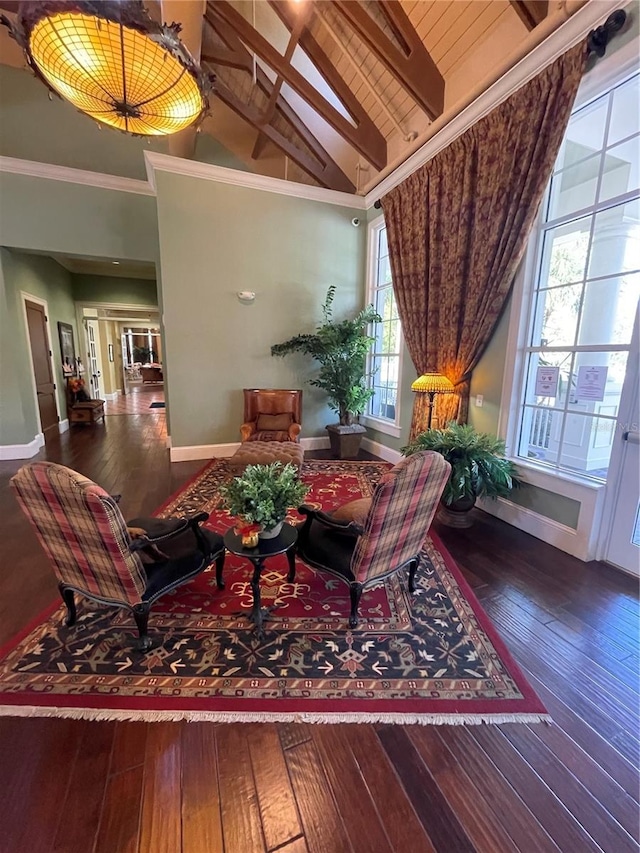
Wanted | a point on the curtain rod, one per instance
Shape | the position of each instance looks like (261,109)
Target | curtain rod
(597,42)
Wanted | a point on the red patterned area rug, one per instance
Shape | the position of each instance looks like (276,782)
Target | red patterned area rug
(433,657)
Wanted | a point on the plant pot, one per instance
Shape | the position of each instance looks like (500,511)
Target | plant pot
(457,514)
(272,532)
(345,440)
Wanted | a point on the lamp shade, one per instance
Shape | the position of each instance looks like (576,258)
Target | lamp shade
(115,64)
(434,383)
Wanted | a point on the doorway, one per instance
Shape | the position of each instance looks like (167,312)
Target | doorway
(94,361)
(42,368)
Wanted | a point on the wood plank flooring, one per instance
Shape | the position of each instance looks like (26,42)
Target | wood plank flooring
(85,787)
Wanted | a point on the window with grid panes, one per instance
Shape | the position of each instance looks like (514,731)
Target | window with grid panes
(384,360)
(585,296)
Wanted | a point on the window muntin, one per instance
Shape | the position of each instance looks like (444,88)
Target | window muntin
(384,360)
(584,300)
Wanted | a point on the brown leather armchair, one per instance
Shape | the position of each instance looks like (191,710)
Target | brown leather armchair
(271,414)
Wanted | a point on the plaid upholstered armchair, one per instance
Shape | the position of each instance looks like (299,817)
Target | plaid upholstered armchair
(389,534)
(96,553)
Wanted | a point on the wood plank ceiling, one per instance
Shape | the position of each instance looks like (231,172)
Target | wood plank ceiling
(336,86)
(328,92)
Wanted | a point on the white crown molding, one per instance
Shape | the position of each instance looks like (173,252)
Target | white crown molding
(205,171)
(568,34)
(74,176)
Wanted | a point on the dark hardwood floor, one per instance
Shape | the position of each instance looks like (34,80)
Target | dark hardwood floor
(119,787)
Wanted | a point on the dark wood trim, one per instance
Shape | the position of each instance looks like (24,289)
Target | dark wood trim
(364,136)
(321,165)
(531,12)
(412,67)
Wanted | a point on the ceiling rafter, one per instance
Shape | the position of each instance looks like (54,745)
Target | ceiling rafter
(364,136)
(412,67)
(235,55)
(531,12)
(294,38)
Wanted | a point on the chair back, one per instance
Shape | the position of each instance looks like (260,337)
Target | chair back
(402,509)
(82,532)
(271,414)
(272,401)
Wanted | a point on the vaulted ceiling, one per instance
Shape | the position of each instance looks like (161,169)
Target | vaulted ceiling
(329,92)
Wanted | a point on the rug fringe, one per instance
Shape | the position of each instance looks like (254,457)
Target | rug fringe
(98,714)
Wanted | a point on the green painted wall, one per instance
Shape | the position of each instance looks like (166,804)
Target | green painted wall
(72,139)
(43,278)
(556,507)
(42,215)
(487,378)
(113,289)
(55,216)
(216,240)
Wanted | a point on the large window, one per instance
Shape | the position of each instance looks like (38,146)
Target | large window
(583,301)
(384,361)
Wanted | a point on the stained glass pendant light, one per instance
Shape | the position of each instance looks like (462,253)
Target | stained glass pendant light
(114,63)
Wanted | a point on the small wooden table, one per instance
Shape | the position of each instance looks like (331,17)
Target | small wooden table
(283,543)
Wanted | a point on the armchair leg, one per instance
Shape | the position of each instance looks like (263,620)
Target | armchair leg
(356,591)
(413,568)
(141,615)
(219,568)
(67,597)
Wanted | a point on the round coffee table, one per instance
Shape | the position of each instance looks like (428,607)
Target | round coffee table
(283,543)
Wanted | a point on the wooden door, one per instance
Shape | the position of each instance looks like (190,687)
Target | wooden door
(41,357)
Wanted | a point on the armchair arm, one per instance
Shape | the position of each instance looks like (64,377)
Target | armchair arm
(294,431)
(247,430)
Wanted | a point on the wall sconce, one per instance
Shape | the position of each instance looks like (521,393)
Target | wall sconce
(432,384)
(246,296)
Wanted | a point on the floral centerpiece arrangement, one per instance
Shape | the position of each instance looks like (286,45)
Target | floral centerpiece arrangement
(261,496)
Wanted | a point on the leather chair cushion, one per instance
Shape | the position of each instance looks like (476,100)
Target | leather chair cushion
(274,423)
(356,511)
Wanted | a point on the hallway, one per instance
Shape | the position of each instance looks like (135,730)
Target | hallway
(137,401)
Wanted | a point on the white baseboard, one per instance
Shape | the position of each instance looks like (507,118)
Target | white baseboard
(381,450)
(22,451)
(565,538)
(63,426)
(167,442)
(111,398)
(223,451)
(202,451)
(317,443)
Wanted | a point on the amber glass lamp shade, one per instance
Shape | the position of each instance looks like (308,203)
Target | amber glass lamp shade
(125,71)
(433,382)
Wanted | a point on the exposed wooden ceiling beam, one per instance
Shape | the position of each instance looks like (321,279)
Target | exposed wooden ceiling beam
(301,22)
(364,136)
(323,169)
(320,166)
(412,67)
(531,12)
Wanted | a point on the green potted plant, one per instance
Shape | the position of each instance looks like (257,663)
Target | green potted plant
(478,468)
(262,494)
(341,350)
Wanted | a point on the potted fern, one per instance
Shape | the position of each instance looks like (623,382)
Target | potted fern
(262,495)
(341,349)
(478,468)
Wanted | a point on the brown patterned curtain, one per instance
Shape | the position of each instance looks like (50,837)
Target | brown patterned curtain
(457,229)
